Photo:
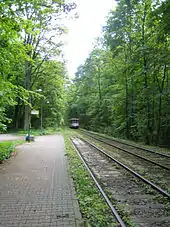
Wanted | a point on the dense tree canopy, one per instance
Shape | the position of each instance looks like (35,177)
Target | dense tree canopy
(29,34)
(123,87)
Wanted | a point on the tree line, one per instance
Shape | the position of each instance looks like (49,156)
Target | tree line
(123,88)
(30,78)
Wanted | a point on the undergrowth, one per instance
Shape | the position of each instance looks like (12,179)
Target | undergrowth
(7,147)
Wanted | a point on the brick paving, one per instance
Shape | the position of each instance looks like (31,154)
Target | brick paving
(36,189)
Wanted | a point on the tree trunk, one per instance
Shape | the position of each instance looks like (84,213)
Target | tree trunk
(27,86)
(26,117)
(153,130)
(160,106)
(100,95)
(126,108)
(99,86)
(16,117)
(159,119)
(148,130)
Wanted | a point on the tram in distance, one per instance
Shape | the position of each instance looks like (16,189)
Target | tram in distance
(74,123)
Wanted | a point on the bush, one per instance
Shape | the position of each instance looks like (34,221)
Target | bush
(7,147)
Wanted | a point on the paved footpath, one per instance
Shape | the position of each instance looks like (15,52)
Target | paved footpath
(36,189)
(4,137)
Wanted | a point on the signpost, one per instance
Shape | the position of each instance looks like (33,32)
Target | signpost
(33,112)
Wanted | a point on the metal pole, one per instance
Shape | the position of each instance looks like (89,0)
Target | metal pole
(41,117)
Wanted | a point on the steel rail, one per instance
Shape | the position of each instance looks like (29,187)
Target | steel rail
(127,151)
(131,145)
(157,188)
(113,209)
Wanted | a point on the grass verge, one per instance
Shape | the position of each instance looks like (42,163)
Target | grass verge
(94,210)
(7,147)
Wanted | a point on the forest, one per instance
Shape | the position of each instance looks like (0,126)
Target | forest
(122,88)
(33,70)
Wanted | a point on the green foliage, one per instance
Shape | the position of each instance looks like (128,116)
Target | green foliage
(51,82)
(28,34)
(7,147)
(38,132)
(123,87)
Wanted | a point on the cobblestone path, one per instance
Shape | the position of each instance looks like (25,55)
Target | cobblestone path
(36,189)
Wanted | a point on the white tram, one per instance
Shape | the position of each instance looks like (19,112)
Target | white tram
(74,123)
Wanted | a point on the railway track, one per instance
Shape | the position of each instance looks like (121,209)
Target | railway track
(153,157)
(125,190)
(146,150)
(114,211)
(154,171)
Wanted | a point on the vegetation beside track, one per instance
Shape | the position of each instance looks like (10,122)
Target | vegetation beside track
(93,207)
(7,148)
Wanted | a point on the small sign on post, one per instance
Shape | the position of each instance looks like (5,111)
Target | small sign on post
(28,136)
(35,112)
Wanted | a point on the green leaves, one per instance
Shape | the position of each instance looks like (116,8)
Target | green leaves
(130,74)
(7,147)
(28,34)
